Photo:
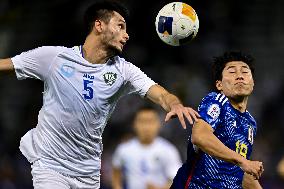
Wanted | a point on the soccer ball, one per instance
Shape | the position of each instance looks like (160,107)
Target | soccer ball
(177,23)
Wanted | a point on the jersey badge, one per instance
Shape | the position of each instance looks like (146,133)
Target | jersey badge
(110,78)
(67,70)
(214,111)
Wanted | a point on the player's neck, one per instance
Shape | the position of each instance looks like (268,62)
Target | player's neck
(239,104)
(94,52)
(146,142)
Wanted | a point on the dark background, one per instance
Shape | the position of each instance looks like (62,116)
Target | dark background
(254,26)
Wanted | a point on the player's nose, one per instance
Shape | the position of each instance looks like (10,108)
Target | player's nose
(126,36)
(239,76)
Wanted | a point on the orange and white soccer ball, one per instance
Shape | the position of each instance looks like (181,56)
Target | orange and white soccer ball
(177,23)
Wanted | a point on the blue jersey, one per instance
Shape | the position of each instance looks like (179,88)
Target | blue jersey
(234,129)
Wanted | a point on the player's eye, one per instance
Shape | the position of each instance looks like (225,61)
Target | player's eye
(121,26)
(245,71)
(232,71)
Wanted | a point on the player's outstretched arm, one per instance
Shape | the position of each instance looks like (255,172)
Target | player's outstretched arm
(203,137)
(6,64)
(172,105)
(250,183)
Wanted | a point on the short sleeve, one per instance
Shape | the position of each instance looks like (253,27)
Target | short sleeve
(138,81)
(117,157)
(35,63)
(172,163)
(210,108)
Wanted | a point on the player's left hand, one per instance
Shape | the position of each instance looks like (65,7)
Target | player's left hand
(178,110)
(254,168)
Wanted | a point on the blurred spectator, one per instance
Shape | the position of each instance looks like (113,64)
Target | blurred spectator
(146,161)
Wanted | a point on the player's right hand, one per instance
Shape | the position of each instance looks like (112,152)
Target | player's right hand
(254,168)
(178,110)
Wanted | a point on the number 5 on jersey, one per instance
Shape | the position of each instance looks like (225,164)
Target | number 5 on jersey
(88,93)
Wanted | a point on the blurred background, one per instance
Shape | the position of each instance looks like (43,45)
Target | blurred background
(254,26)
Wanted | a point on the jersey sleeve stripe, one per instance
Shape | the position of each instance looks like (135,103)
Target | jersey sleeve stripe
(217,97)
(222,97)
(226,99)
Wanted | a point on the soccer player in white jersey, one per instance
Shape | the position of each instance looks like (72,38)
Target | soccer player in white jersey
(146,161)
(81,88)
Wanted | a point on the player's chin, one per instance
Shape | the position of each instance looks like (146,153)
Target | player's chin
(242,93)
(245,92)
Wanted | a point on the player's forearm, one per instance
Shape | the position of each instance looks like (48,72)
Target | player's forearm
(6,64)
(169,100)
(116,179)
(203,137)
(250,183)
(160,96)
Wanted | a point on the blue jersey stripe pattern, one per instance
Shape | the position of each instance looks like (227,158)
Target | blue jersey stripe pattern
(234,129)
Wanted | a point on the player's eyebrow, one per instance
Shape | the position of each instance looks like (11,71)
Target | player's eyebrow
(244,66)
(121,20)
(230,67)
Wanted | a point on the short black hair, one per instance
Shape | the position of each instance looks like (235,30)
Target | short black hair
(145,107)
(103,10)
(219,62)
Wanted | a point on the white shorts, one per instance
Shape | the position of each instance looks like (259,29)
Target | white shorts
(45,178)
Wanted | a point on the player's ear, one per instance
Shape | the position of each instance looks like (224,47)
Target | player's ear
(98,26)
(219,85)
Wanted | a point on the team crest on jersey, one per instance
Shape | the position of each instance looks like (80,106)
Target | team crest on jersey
(110,78)
(250,134)
(214,111)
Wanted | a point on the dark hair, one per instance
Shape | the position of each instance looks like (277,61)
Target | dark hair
(103,10)
(146,107)
(219,63)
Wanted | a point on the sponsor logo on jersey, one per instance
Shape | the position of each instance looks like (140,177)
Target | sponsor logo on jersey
(214,111)
(110,78)
(250,134)
(67,70)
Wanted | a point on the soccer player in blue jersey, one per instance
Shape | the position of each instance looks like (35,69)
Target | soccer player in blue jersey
(221,141)
(82,86)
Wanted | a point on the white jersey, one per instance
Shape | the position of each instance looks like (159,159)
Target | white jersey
(156,163)
(78,99)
